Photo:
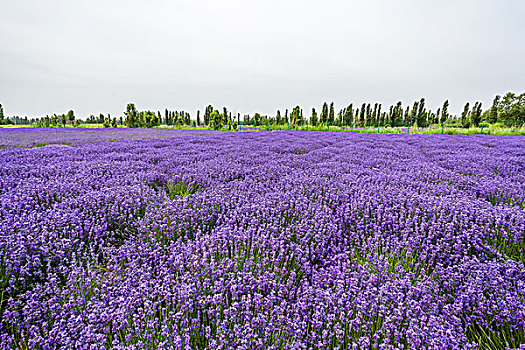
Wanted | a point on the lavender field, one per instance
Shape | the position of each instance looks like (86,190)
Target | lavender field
(261,240)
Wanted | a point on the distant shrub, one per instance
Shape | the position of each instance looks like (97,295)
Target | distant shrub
(497,125)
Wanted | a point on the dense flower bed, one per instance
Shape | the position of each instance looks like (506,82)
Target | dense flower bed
(39,137)
(264,240)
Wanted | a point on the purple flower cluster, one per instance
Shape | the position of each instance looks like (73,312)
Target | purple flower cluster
(267,240)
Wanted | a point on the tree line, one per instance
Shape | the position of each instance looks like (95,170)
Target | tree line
(507,110)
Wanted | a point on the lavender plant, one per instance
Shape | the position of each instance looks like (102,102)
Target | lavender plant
(262,240)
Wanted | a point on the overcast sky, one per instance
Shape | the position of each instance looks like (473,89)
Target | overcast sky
(255,56)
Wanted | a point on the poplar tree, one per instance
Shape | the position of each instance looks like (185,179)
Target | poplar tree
(131,115)
(475,115)
(465,114)
(295,116)
(362,115)
(313,118)
(369,120)
(207,114)
(421,113)
(397,114)
(444,112)
(331,116)
(324,114)
(225,114)
(413,113)
(71,116)
(493,114)
(349,115)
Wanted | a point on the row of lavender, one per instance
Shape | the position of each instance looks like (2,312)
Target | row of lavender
(269,240)
(39,137)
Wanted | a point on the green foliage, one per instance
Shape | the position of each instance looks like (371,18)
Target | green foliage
(362,115)
(348,118)
(444,112)
(3,120)
(397,115)
(508,110)
(495,337)
(421,118)
(465,116)
(475,115)
(216,120)
(257,119)
(136,119)
(493,113)
(131,115)
(180,189)
(278,119)
(107,120)
(71,116)
(324,114)
(296,117)
(511,109)
(331,115)
(207,114)
(313,118)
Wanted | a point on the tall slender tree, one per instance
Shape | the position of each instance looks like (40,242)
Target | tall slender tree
(444,112)
(313,118)
(397,114)
(413,112)
(493,114)
(131,115)
(331,115)
(466,114)
(207,114)
(71,116)
(349,115)
(475,115)
(362,112)
(324,114)
(421,113)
